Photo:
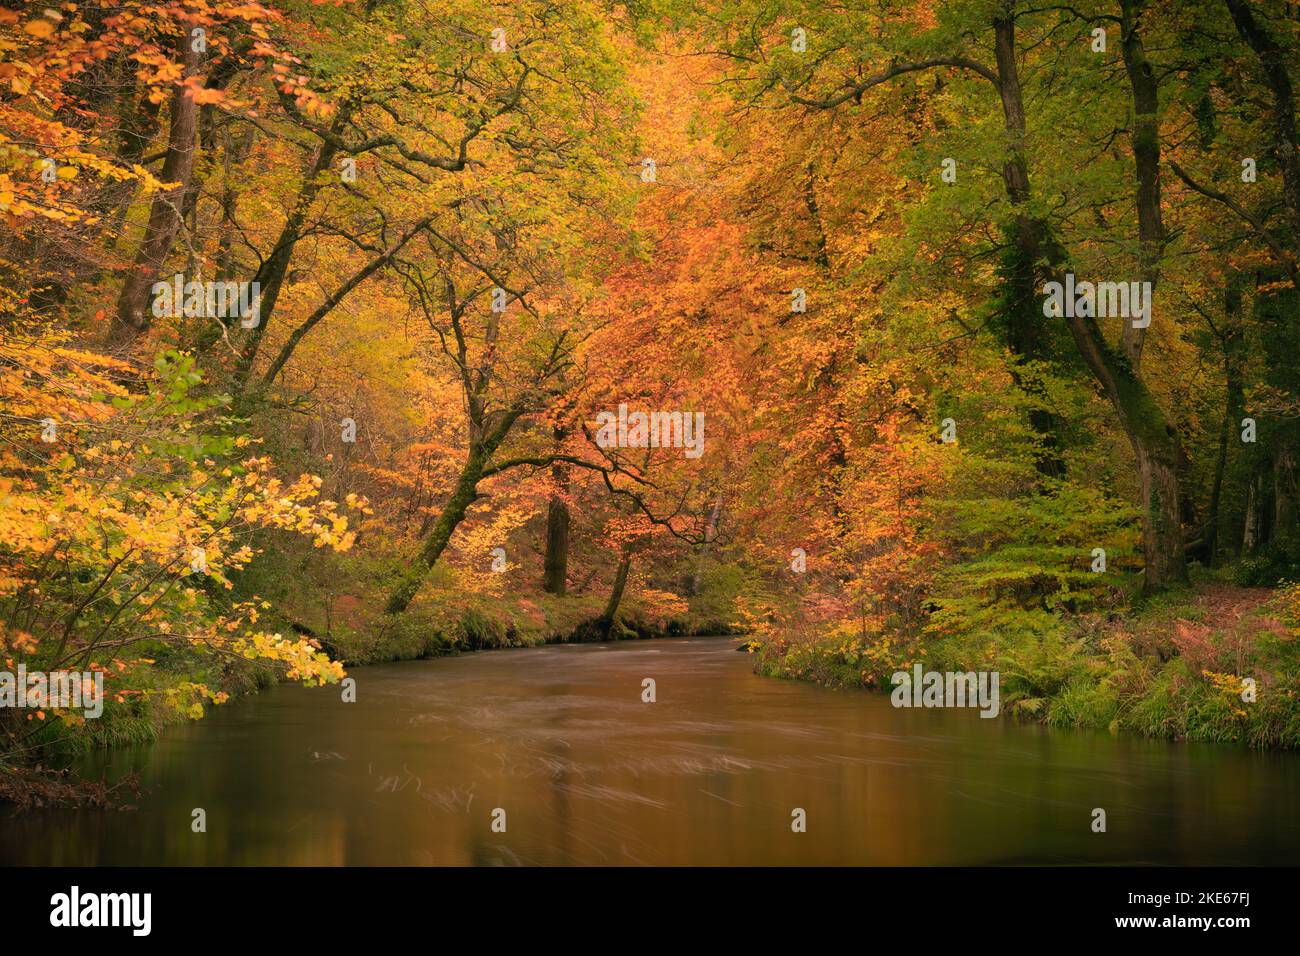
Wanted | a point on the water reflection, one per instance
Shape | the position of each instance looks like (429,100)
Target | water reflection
(586,773)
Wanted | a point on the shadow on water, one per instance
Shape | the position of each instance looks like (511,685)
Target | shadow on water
(586,773)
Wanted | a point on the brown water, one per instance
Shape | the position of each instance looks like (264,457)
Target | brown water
(710,773)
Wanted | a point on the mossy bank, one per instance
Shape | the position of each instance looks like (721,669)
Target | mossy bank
(1219,663)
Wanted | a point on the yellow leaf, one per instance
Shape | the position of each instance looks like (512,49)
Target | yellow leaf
(39,28)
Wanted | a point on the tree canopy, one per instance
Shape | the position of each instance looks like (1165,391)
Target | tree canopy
(339,330)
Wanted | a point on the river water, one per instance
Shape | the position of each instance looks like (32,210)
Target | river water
(557,745)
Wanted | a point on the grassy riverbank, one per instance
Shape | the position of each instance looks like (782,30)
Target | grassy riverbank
(1174,667)
(453,624)
(350,630)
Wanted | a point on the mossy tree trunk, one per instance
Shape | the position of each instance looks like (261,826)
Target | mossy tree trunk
(452,514)
(556,565)
(1154,441)
(605,623)
(1029,241)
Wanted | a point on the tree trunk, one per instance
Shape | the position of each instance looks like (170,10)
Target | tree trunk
(1284,490)
(273,271)
(1277,319)
(1146,159)
(1154,442)
(453,513)
(1155,446)
(697,574)
(1231,342)
(1273,60)
(1020,265)
(1250,529)
(133,308)
(139,124)
(234,150)
(606,621)
(556,566)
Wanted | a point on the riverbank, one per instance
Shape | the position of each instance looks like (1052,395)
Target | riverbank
(454,624)
(1219,663)
(589,772)
(1171,668)
(443,625)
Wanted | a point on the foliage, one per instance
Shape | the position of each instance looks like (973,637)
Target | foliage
(127,511)
(477,228)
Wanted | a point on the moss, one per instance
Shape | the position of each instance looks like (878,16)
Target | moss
(1167,669)
(440,624)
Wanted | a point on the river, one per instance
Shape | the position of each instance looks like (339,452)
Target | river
(558,747)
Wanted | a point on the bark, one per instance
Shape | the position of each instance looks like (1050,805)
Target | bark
(1015,170)
(1231,342)
(606,621)
(134,313)
(341,293)
(1277,318)
(1273,59)
(139,125)
(275,268)
(821,257)
(1155,444)
(453,513)
(556,566)
(1146,160)
(710,531)
(1284,490)
(1020,268)
(1250,530)
(235,152)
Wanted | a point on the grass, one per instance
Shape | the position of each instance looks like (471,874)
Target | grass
(1175,666)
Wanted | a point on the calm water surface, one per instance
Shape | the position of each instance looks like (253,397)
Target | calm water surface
(588,774)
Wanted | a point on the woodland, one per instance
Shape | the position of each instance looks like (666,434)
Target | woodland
(344,331)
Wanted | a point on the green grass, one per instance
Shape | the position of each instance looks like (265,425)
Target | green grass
(1171,667)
